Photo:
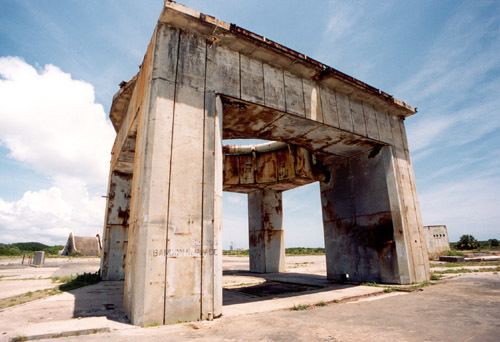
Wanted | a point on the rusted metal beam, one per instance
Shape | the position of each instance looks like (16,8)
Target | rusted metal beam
(275,166)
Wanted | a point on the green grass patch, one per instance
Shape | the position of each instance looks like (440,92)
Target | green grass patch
(288,251)
(236,252)
(63,279)
(468,270)
(435,276)
(301,307)
(454,252)
(27,297)
(28,248)
(484,246)
(468,263)
(403,288)
(304,251)
(81,280)
(68,283)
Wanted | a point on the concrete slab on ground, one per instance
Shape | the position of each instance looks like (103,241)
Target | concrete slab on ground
(74,327)
(56,315)
(325,295)
(17,279)
(464,308)
(415,316)
(100,300)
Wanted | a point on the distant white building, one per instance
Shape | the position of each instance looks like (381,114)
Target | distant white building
(437,240)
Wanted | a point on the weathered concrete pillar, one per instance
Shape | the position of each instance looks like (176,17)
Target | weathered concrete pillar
(266,238)
(115,235)
(363,221)
(175,267)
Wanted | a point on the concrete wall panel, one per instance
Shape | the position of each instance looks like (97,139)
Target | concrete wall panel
(344,112)
(223,70)
(329,106)
(294,94)
(165,55)
(384,126)
(274,88)
(192,58)
(371,122)
(358,117)
(312,100)
(252,80)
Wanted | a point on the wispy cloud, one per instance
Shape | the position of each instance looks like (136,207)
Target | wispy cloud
(453,78)
(351,31)
(456,136)
(465,206)
(458,85)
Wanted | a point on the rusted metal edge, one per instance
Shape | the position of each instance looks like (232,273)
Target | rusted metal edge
(323,70)
(248,149)
(122,96)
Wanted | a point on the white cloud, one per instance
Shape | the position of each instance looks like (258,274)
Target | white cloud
(51,123)
(49,215)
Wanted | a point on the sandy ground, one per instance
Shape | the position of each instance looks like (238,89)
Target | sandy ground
(463,308)
(16,279)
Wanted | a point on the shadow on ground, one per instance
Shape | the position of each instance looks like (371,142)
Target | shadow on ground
(102,299)
(277,285)
(106,297)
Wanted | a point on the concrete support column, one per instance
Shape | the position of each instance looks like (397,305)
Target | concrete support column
(266,238)
(363,220)
(174,266)
(115,235)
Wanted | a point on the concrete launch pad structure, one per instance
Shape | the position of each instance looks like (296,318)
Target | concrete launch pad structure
(203,80)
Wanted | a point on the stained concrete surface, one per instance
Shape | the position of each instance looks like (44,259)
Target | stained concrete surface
(464,308)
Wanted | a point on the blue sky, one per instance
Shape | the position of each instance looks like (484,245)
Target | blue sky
(61,62)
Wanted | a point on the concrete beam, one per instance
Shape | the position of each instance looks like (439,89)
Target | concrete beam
(282,169)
